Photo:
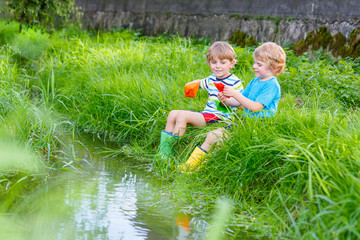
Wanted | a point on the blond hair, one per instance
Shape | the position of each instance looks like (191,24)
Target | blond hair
(220,50)
(272,54)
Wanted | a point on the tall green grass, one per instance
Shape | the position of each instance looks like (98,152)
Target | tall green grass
(294,176)
(121,89)
(30,148)
(302,168)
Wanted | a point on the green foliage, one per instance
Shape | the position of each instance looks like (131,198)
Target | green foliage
(322,78)
(291,19)
(29,143)
(47,14)
(319,39)
(110,68)
(250,41)
(304,160)
(239,38)
(300,47)
(354,43)
(337,45)
(236,16)
(8,31)
(32,44)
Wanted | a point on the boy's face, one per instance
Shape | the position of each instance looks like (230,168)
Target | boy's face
(262,70)
(221,67)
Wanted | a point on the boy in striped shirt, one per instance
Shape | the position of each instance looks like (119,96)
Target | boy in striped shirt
(220,58)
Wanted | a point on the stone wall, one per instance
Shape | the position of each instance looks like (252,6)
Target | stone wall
(281,21)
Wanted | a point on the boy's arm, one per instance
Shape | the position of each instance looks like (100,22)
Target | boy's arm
(228,101)
(197,80)
(201,83)
(244,101)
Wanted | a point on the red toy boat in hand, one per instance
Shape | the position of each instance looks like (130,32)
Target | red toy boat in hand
(220,87)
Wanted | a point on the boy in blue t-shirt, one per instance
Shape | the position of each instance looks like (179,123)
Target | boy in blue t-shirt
(259,99)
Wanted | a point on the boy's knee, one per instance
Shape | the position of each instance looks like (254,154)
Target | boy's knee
(214,135)
(181,116)
(211,137)
(173,114)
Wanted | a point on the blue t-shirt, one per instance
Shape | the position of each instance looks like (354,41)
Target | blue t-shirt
(267,93)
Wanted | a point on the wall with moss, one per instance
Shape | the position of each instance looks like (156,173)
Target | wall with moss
(261,20)
(281,8)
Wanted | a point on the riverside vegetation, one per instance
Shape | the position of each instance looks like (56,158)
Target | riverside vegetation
(294,176)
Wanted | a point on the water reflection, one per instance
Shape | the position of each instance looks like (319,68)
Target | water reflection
(115,198)
(118,200)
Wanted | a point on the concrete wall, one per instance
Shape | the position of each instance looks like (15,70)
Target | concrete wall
(282,8)
(220,19)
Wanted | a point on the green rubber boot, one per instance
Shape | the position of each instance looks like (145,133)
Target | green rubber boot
(166,145)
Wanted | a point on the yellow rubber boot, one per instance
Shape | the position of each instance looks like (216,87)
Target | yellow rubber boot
(194,161)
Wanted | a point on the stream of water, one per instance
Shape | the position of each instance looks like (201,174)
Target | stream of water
(114,198)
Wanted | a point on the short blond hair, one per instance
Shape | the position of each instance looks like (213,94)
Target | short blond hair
(272,54)
(220,50)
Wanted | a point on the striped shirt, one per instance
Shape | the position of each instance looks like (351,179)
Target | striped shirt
(214,105)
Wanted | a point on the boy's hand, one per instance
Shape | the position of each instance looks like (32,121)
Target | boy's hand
(197,80)
(229,91)
(222,97)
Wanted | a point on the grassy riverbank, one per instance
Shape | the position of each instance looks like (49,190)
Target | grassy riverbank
(293,176)
(32,146)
